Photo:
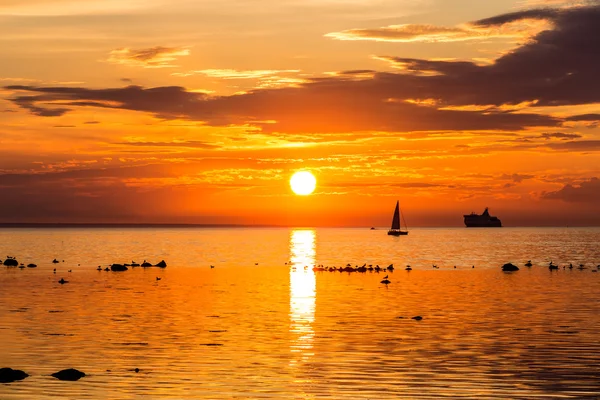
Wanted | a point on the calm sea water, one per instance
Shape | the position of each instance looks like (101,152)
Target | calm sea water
(261,325)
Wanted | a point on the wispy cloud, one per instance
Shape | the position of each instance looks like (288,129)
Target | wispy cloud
(266,78)
(174,143)
(152,57)
(236,74)
(433,33)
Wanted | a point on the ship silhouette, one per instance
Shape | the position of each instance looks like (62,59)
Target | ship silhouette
(484,220)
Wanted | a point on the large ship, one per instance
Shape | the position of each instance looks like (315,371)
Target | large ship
(484,220)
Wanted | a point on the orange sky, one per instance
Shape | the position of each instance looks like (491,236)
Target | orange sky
(183,111)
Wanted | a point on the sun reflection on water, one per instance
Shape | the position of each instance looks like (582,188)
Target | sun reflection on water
(302,293)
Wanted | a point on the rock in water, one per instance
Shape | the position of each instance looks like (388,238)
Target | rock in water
(417,318)
(70,374)
(8,375)
(11,262)
(509,267)
(162,264)
(118,267)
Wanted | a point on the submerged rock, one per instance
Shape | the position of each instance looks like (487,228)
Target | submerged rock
(162,264)
(31,265)
(146,264)
(417,318)
(8,375)
(118,267)
(509,267)
(70,374)
(386,281)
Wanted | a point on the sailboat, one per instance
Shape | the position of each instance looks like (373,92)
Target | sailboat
(396,230)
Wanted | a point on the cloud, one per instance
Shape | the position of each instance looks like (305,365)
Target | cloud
(556,67)
(325,106)
(584,192)
(432,33)
(517,178)
(557,3)
(585,117)
(175,143)
(576,145)
(237,74)
(560,135)
(152,57)
(267,78)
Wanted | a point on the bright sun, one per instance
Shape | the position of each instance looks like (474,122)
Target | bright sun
(303,183)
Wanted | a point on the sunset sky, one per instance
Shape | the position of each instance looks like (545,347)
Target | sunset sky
(199,111)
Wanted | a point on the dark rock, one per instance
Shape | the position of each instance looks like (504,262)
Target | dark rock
(31,265)
(137,370)
(386,281)
(509,267)
(8,375)
(146,264)
(417,318)
(11,262)
(118,267)
(70,374)
(162,264)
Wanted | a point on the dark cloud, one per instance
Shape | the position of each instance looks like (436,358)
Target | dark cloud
(585,192)
(543,13)
(517,178)
(187,143)
(357,72)
(576,145)
(560,135)
(556,67)
(326,106)
(584,117)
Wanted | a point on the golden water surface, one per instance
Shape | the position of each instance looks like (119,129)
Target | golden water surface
(261,325)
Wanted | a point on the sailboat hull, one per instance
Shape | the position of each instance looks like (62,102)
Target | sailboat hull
(397,233)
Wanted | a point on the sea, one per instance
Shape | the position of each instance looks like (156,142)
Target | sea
(239,313)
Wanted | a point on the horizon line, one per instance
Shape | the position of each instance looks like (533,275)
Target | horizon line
(200,225)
